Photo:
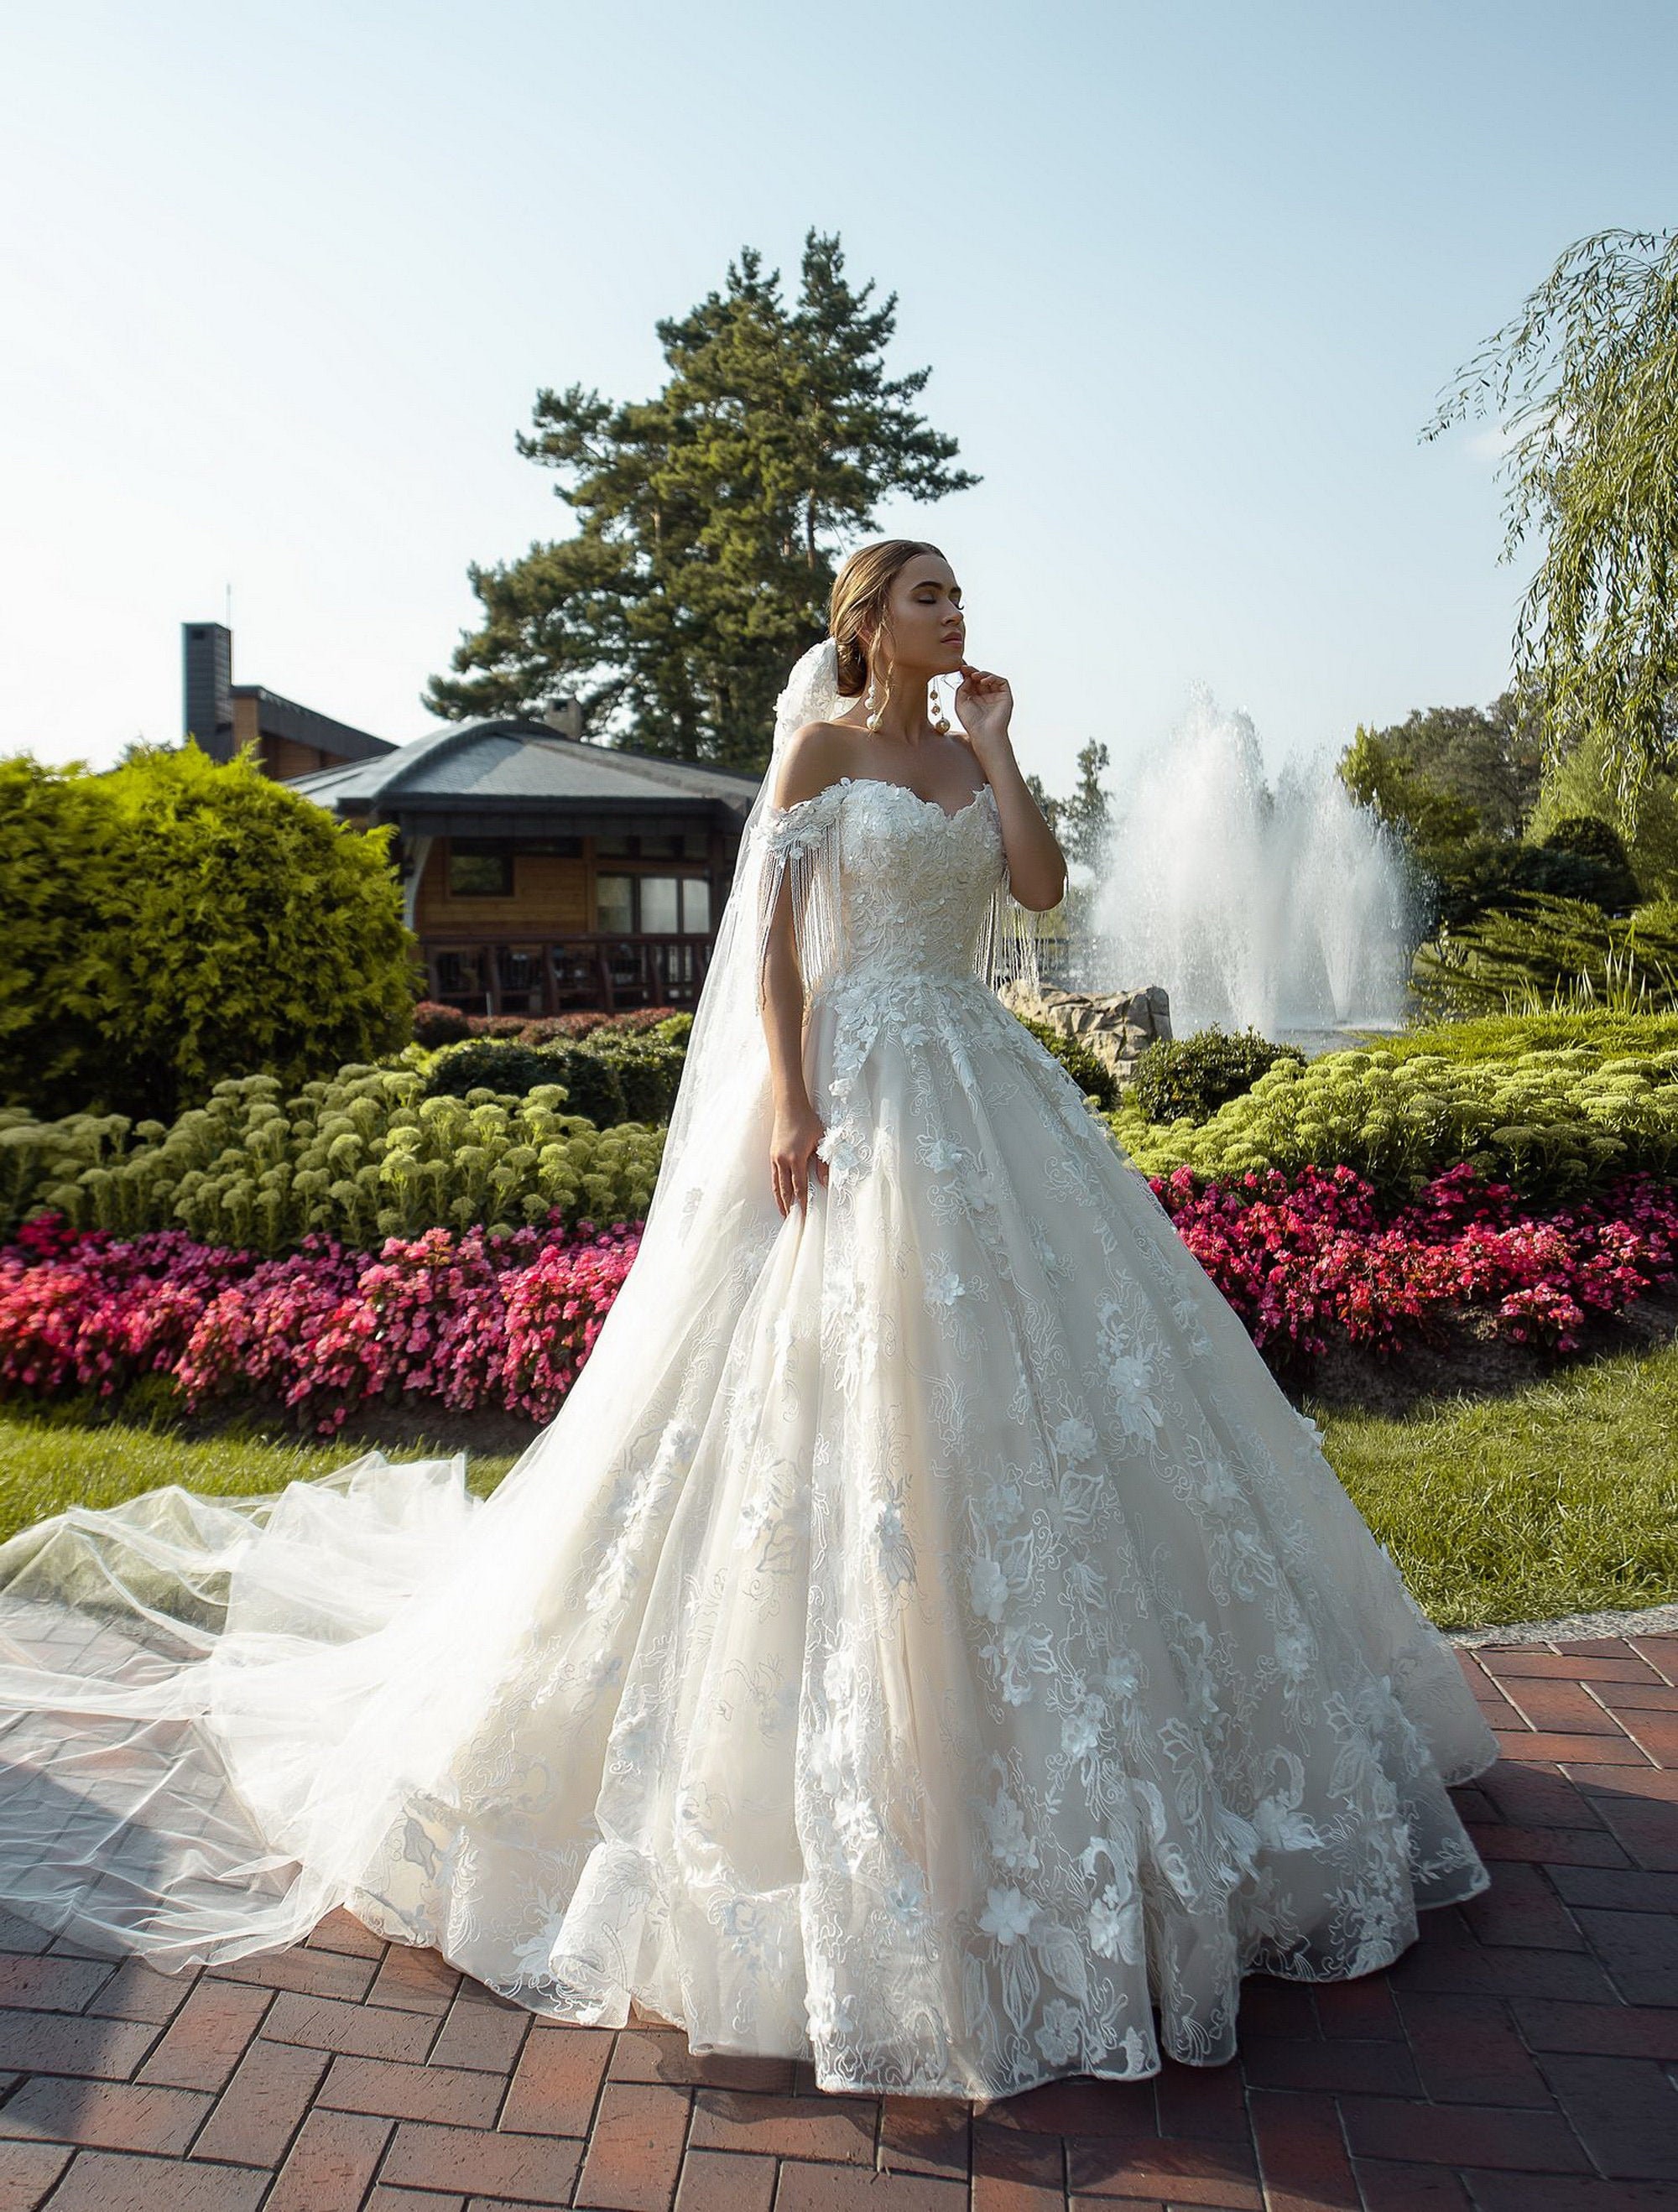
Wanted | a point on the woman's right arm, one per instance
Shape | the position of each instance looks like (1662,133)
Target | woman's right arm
(797,1128)
(808,766)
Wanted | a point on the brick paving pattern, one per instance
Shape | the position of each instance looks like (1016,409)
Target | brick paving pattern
(1521,2057)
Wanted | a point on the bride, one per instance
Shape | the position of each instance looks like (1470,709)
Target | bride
(926,1641)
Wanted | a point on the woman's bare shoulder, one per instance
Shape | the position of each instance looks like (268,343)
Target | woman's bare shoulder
(814,757)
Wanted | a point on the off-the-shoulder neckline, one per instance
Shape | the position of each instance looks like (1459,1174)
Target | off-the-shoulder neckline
(888,783)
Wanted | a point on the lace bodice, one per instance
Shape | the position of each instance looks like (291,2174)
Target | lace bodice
(886,883)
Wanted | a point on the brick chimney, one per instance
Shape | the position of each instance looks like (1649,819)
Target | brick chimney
(564,715)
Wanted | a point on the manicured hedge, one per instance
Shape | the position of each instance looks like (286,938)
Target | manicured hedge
(364,1156)
(436,1023)
(1550,1123)
(609,1078)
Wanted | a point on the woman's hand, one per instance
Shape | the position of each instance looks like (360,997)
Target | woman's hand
(797,1131)
(984,707)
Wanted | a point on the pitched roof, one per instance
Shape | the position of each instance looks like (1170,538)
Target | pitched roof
(502,763)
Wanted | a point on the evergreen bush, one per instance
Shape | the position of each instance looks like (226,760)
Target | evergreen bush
(1547,951)
(176,920)
(1588,839)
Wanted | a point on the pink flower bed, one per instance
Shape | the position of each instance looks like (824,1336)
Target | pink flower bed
(506,1321)
(479,1319)
(1301,1255)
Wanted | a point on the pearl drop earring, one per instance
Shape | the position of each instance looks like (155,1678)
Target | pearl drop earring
(935,709)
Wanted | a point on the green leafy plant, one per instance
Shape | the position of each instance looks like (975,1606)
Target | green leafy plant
(1193,1076)
(1547,953)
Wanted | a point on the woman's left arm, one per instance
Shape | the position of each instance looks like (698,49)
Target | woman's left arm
(1037,865)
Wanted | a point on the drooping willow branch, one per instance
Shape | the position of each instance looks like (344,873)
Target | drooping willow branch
(1584,384)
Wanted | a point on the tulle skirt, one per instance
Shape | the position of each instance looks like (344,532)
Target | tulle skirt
(926,1641)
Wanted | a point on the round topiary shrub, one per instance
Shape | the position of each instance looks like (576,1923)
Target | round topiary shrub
(1588,834)
(1193,1076)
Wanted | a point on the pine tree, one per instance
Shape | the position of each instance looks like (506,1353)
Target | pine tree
(1083,822)
(708,519)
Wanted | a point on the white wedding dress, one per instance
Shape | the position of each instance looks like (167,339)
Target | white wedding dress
(926,1641)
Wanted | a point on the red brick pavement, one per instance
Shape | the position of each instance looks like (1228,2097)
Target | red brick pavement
(1521,2057)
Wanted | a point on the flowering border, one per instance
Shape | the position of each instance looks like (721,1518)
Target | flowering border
(480,1319)
(504,1320)
(1300,1255)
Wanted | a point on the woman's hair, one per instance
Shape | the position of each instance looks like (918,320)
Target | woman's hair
(860,591)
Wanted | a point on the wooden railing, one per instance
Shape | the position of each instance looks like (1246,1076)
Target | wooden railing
(604,971)
(607,971)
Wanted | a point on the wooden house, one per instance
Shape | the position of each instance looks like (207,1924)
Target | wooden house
(540,872)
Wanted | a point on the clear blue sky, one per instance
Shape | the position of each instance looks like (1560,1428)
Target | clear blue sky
(279,284)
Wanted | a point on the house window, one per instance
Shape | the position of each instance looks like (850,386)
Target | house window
(479,867)
(653,906)
(660,903)
(614,904)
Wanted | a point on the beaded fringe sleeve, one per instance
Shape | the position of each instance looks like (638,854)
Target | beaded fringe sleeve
(1006,950)
(800,853)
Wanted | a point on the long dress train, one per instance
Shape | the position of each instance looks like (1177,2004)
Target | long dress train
(926,1641)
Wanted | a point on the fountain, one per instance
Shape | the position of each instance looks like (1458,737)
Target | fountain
(1287,908)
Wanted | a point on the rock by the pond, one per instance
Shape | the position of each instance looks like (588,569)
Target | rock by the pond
(1118,1026)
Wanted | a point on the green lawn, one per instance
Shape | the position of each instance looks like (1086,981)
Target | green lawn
(1560,1498)
(58,1455)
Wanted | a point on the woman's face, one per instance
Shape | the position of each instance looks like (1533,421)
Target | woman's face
(927,630)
